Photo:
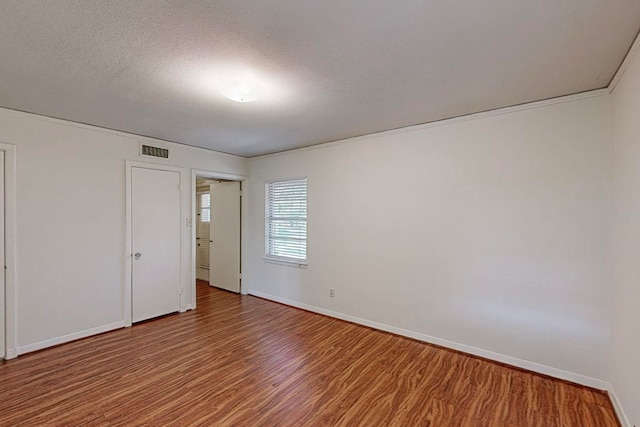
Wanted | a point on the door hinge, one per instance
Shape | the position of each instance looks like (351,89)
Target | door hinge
(240,276)
(240,192)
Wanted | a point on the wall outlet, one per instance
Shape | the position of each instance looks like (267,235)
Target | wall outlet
(332,293)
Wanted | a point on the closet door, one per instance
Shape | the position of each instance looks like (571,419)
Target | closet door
(155,242)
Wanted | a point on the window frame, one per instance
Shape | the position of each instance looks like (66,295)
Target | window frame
(202,208)
(284,260)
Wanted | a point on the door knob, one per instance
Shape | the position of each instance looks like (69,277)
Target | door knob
(137,255)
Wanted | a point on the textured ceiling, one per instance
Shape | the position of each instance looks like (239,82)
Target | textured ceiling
(329,69)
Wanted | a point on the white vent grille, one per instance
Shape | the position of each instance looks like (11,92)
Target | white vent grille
(151,151)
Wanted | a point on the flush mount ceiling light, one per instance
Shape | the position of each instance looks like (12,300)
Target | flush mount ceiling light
(240,90)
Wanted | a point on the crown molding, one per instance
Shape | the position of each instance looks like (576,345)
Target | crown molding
(448,121)
(633,51)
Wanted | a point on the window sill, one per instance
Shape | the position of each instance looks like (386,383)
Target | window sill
(285,262)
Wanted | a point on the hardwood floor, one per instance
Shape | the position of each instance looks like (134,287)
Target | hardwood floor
(243,361)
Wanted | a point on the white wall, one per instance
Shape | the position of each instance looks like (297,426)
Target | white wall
(490,232)
(71,221)
(625,329)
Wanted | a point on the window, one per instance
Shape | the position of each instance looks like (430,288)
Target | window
(205,207)
(286,221)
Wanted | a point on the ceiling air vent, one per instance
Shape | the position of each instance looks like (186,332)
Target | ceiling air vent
(151,151)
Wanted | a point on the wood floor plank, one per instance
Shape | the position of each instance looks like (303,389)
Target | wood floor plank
(243,361)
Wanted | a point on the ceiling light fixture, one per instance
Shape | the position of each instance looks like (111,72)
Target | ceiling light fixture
(240,91)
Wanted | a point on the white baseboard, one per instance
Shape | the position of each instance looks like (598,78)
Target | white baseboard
(618,407)
(11,353)
(509,360)
(71,337)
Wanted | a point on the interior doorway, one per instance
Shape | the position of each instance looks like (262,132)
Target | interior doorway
(217,231)
(218,217)
(202,224)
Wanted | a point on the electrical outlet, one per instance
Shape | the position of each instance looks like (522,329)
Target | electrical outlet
(332,293)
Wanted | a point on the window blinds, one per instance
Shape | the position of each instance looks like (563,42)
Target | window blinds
(286,219)
(205,207)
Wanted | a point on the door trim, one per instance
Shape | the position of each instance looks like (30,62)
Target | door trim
(244,184)
(128,253)
(10,309)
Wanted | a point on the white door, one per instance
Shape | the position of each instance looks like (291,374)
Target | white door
(224,262)
(2,272)
(155,240)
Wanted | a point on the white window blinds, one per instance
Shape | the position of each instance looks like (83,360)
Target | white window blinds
(286,220)
(205,207)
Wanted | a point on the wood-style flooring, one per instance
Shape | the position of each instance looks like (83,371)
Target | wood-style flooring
(243,361)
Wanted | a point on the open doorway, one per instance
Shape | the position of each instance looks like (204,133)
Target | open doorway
(217,232)
(203,228)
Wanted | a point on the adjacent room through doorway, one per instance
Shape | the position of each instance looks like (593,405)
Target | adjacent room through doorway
(217,233)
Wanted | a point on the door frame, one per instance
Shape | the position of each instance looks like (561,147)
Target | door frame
(9,286)
(128,253)
(244,182)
